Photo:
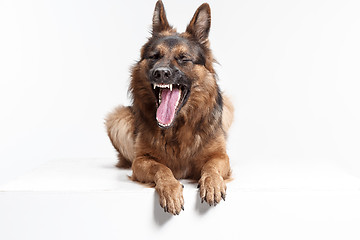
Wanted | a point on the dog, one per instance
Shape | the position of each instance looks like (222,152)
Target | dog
(177,125)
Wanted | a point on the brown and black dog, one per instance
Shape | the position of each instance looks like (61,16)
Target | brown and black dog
(177,125)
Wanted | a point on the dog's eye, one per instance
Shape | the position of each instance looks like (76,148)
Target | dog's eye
(183,59)
(154,56)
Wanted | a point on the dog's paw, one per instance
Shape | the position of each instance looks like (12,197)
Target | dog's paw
(212,188)
(171,196)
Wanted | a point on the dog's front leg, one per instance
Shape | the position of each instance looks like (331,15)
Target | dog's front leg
(212,185)
(169,189)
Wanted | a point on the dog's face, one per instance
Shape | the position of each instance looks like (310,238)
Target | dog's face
(173,62)
(170,59)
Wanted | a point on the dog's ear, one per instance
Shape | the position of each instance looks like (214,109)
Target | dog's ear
(160,22)
(199,26)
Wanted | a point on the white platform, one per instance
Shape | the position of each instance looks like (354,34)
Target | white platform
(91,199)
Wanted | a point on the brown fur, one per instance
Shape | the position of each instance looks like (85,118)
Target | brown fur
(194,146)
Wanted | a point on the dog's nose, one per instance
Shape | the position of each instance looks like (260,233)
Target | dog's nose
(162,73)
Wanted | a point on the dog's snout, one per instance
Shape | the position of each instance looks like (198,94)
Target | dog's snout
(162,73)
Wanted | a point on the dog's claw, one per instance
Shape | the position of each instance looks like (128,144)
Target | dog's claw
(182,207)
(223,196)
(165,209)
(198,186)
(182,185)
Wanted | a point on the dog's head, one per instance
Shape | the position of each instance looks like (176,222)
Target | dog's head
(172,64)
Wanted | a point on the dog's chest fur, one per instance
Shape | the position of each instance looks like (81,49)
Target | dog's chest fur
(179,148)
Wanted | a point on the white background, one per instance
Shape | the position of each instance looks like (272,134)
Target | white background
(291,68)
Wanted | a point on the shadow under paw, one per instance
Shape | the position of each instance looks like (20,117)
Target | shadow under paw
(161,217)
(201,207)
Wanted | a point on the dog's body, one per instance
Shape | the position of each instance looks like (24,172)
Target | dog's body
(177,125)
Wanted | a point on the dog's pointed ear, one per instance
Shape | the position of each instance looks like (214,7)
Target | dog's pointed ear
(199,26)
(160,22)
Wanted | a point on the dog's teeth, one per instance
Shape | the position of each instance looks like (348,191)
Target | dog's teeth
(163,86)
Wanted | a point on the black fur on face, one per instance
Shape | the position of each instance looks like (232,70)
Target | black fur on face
(170,58)
(194,51)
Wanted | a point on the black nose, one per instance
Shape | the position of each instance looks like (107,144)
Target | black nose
(162,73)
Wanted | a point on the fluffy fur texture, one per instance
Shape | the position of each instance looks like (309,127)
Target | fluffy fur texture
(192,145)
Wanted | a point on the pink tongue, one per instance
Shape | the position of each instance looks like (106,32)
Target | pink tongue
(166,111)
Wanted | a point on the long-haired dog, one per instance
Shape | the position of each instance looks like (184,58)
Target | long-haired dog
(177,125)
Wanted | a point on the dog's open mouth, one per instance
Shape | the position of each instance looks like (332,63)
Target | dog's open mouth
(170,99)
